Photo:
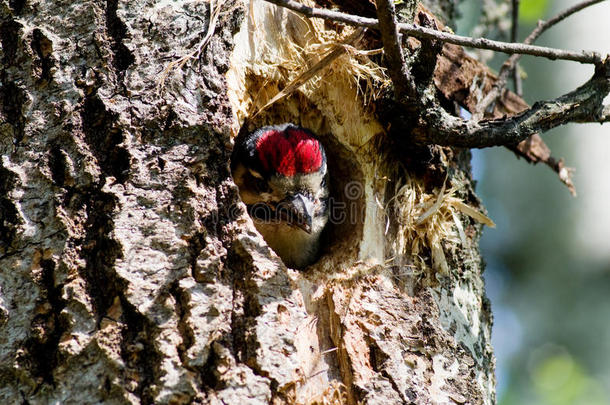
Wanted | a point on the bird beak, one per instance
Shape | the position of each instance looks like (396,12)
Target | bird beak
(297,210)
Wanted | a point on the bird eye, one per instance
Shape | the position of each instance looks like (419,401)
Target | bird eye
(257,182)
(323,183)
(260,185)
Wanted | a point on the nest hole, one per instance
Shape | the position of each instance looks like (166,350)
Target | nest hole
(341,237)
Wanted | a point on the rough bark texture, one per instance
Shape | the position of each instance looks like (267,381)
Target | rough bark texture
(130,272)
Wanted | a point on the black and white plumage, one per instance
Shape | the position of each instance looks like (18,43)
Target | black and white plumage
(281,173)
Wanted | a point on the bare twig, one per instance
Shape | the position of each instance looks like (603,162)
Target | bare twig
(424,65)
(515,21)
(518,81)
(513,38)
(404,86)
(422,32)
(511,62)
(579,105)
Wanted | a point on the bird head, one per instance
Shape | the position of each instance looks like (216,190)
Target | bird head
(281,173)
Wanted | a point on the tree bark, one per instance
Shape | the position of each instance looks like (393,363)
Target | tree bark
(130,271)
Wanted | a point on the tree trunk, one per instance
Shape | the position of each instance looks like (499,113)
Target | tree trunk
(131,272)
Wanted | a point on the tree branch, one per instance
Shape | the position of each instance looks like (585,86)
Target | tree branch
(426,57)
(437,126)
(602,118)
(511,62)
(404,85)
(422,32)
(580,105)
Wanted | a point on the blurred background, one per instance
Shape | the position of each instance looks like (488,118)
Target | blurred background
(548,260)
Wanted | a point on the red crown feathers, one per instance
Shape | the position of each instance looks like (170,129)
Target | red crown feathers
(289,152)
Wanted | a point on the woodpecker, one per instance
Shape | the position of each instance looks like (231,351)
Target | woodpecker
(282,177)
